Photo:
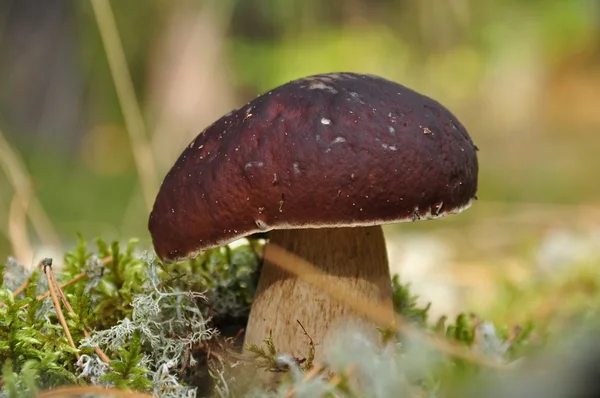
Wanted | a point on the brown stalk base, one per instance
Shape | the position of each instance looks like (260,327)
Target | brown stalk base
(354,256)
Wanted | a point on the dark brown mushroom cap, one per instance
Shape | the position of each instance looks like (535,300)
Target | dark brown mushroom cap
(329,150)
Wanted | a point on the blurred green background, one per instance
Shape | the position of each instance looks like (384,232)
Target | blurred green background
(523,77)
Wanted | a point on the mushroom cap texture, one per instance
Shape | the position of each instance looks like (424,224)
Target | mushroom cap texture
(329,150)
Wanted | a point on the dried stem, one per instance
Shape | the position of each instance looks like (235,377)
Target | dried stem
(142,152)
(67,305)
(56,291)
(47,264)
(17,228)
(79,277)
(42,296)
(19,179)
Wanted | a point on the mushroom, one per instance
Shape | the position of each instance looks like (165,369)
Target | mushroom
(321,163)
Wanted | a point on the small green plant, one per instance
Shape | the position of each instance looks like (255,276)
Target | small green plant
(173,331)
(150,324)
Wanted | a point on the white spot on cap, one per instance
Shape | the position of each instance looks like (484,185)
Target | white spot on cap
(392,130)
(320,85)
(261,225)
(248,114)
(253,164)
(296,167)
(325,121)
(386,146)
(338,140)
(356,97)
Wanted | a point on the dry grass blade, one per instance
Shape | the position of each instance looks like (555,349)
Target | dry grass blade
(79,277)
(20,180)
(56,291)
(47,264)
(17,229)
(77,391)
(67,305)
(132,114)
(42,296)
(367,308)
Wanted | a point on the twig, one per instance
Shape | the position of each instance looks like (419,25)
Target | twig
(77,391)
(70,310)
(67,305)
(54,288)
(44,295)
(366,307)
(47,264)
(79,277)
(64,285)
(132,114)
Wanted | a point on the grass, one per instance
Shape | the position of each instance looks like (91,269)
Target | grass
(134,121)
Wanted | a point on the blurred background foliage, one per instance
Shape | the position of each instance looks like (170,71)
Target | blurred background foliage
(523,76)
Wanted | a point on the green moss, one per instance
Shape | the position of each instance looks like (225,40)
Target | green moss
(170,330)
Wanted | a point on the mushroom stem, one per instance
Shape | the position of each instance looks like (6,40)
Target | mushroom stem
(356,257)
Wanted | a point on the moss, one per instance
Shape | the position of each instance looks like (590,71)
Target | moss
(175,331)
